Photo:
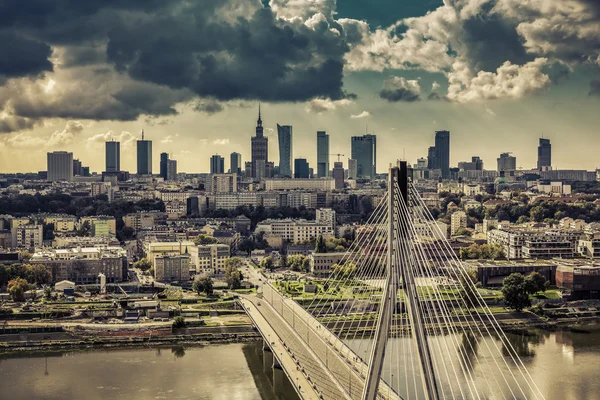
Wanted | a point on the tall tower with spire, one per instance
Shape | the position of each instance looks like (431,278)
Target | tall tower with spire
(260,150)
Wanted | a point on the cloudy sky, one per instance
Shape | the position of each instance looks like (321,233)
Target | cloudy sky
(498,74)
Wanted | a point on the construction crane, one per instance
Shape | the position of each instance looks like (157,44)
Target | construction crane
(339,156)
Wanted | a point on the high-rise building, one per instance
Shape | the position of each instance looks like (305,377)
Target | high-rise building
(171,170)
(442,152)
(236,163)
(60,166)
(223,183)
(352,168)
(164,159)
(322,154)
(421,163)
(544,155)
(506,162)
(284,134)
(431,161)
(364,151)
(301,169)
(260,146)
(217,164)
(144,156)
(338,175)
(476,164)
(113,156)
(77,168)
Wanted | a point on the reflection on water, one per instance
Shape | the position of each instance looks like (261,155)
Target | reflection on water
(563,364)
(212,372)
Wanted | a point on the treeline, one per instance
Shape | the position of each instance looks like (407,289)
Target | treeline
(34,274)
(261,213)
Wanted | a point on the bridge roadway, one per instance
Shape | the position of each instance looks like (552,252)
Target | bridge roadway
(337,372)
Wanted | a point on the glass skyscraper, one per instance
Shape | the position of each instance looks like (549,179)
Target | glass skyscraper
(301,168)
(144,156)
(113,156)
(322,154)
(442,152)
(164,161)
(364,151)
(544,154)
(236,163)
(284,134)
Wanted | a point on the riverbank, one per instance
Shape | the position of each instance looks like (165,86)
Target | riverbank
(234,334)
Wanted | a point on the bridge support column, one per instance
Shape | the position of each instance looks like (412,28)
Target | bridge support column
(267,359)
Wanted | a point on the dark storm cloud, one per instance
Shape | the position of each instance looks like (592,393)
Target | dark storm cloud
(12,124)
(210,107)
(399,94)
(21,56)
(594,88)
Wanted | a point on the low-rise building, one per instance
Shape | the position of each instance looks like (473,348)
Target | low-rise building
(325,184)
(321,263)
(27,237)
(491,273)
(295,231)
(579,281)
(210,259)
(536,243)
(102,225)
(458,220)
(169,268)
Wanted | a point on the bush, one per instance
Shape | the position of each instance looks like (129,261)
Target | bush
(179,322)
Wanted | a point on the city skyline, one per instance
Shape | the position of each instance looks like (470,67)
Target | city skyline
(404,70)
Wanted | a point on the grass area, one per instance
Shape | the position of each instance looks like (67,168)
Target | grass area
(548,294)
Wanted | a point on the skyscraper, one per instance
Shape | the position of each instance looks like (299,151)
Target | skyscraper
(260,146)
(506,162)
(442,152)
(352,168)
(431,161)
(322,154)
(236,163)
(364,151)
(284,134)
(144,156)
(77,168)
(544,154)
(171,170)
(113,156)
(301,169)
(60,166)
(338,175)
(164,160)
(217,164)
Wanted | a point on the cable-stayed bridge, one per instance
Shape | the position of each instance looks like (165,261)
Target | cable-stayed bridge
(398,318)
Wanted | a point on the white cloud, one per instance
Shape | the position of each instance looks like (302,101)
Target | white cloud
(320,106)
(509,81)
(220,142)
(167,140)
(401,89)
(67,135)
(24,141)
(489,112)
(364,114)
(435,86)
(303,9)
(125,138)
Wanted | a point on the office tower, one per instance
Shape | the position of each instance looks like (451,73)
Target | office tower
(260,146)
(544,155)
(164,159)
(476,164)
(60,166)
(236,163)
(284,134)
(322,154)
(85,171)
(421,163)
(431,161)
(77,168)
(506,162)
(144,156)
(301,169)
(171,170)
(364,151)
(352,168)
(442,152)
(248,168)
(217,164)
(269,169)
(113,156)
(338,175)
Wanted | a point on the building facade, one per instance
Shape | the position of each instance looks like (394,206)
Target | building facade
(217,164)
(322,154)
(60,166)
(113,156)
(144,156)
(364,151)
(285,136)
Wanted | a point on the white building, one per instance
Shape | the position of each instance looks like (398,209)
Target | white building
(300,184)
(326,216)
(471,189)
(176,208)
(541,243)
(457,221)
(321,263)
(223,183)
(557,188)
(210,259)
(295,231)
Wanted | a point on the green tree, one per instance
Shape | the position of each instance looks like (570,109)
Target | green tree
(514,290)
(85,229)
(37,274)
(537,214)
(535,283)
(234,262)
(202,240)
(463,232)
(17,288)
(320,245)
(143,264)
(296,262)
(203,283)
(267,263)
(468,286)
(233,275)
(179,322)
(247,245)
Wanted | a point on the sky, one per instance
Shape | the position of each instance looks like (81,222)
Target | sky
(498,74)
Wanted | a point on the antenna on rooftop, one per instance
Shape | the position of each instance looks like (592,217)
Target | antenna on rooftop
(142,134)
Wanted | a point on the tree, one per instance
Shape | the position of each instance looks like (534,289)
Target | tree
(320,245)
(37,274)
(247,245)
(85,229)
(202,240)
(233,275)
(535,283)
(515,293)
(179,322)
(143,264)
(346,270)
(204,284)
(17,288)
(468,288)
(463,232)
(297,262)
(267,263)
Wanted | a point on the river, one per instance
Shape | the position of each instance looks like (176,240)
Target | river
(563,363)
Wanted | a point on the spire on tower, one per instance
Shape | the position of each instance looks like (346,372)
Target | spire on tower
(142,134)
(259,122)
